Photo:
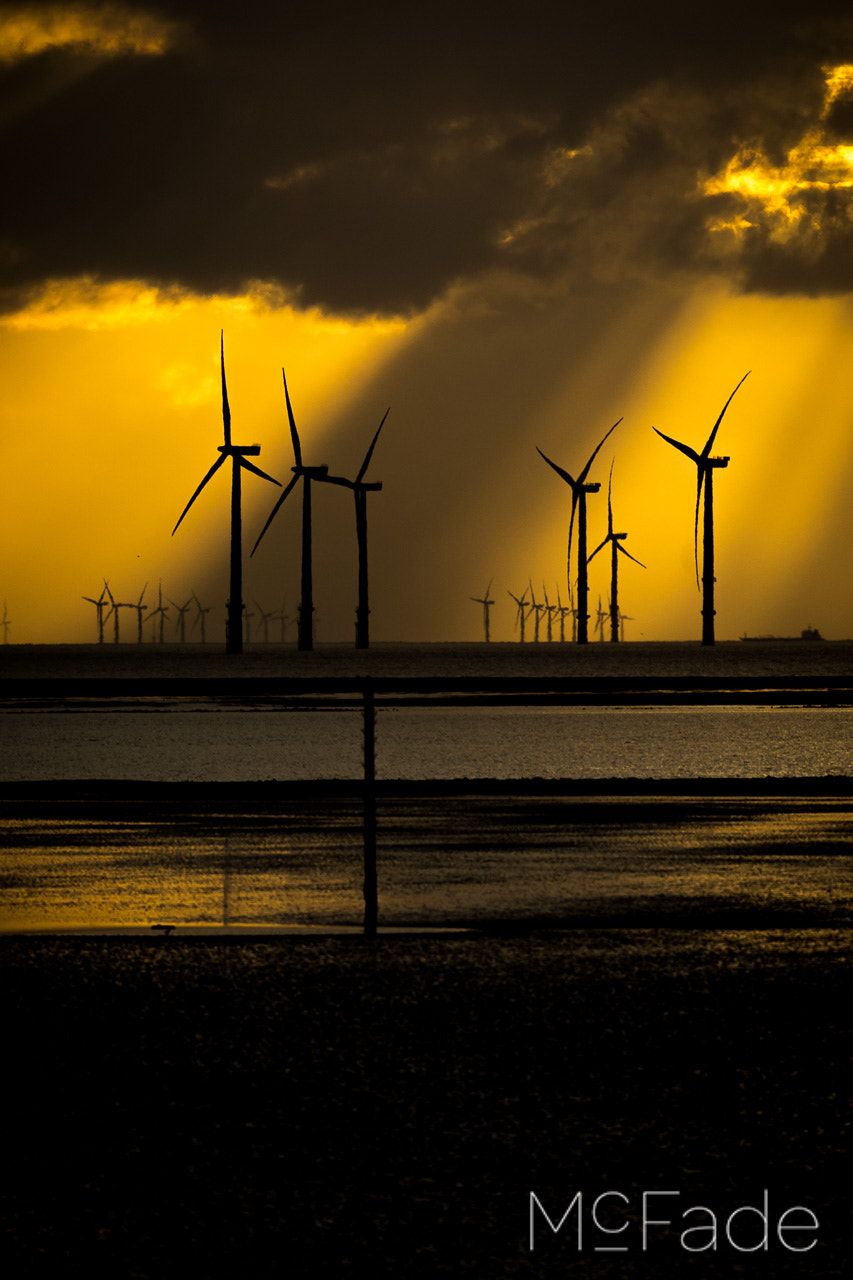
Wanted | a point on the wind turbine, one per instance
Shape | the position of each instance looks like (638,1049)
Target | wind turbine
(360,489)
(161,609)
(247,625)
(199,617)
(140,609)
(239,455)
(536,610)
(580,488)
(115,606)
(615,540)
(7,624)
(623,618)
(562,610)
(265,621)
(487,603)
(181,622)
(550,610)
(705,468)
(600,615)
(100,605)
(521,612)
(306,475)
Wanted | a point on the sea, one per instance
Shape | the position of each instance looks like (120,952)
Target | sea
(505,860)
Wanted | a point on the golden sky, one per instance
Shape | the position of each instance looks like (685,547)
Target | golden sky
(502,267)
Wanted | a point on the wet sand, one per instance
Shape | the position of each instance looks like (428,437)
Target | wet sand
(335,1106)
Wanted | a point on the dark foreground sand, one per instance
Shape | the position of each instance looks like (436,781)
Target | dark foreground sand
(334,1107)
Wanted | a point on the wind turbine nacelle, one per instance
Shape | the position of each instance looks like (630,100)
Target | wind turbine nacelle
(244,450)
(591,488)
(719,462)
(311,473)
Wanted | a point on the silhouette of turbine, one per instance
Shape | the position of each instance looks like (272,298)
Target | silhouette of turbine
(705,467)
(521,612)
(161,609)
(140,609)
(100,605)
(181,622)
(200,617)
(615,540)
(536,610)
(115,605)
(487,604)
(580,488)
(306,475)
(7,624)
(562,610)
(239,455)
(360,489)
(265,621)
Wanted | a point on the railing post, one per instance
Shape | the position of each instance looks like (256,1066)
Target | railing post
(371,905)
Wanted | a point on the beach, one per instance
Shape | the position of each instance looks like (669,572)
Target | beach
(314,1104)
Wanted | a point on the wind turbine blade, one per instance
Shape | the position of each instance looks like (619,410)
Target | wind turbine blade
(609,504)
(226,411)
(597,549)
(583,475)
(273,513)
(142,593)
(250,466)
(706,451)
(109,593)
(217,464)
(564,475)
(619,547)
(294,434)
(676,444)
(572,523)
(369,453)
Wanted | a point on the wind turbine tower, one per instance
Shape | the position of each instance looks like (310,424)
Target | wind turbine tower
(140,609)
(360,488)
(705,468)
(306,475)
(487,603)
(580,488)
(521,612)
(239,455)
(615,540)
(100,605)
(7,624)
(200,617)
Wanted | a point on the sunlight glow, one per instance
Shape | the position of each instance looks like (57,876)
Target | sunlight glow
(110,30)
(112,414)
(773,193)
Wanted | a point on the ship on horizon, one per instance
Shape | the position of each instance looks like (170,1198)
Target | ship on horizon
(809,633)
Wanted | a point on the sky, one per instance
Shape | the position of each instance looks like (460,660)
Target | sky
(511,226)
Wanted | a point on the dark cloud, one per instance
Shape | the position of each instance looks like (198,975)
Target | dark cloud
(368,158)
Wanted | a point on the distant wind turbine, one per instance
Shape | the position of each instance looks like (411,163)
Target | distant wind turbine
(550,610)
(615,540)
(200,617)
(181,621)
(100,605)
(522,611)
(600,615)
(705,467)
(239,455)
(161,610)
(562,610)
(536,610)
(306,475)
(140,609)
(360,488)
(265,621)
(487,603)
(7,624)
(580,488)
(115,605)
